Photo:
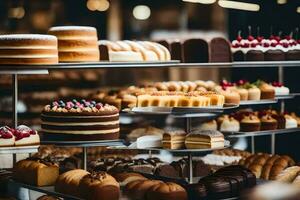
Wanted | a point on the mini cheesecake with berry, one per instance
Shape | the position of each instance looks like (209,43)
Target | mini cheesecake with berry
(25,136)
(80,120)
(7,138)
(280,89)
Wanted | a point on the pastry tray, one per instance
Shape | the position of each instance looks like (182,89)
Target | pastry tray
(19,149)
(93,143)
(180,110)
(281,97)
(186,151)
(258,102)
(260,133)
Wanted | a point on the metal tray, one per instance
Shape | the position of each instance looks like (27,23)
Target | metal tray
(258,102)
(180,110)
(19,149)
(94,143)
(282,97)
(260,133)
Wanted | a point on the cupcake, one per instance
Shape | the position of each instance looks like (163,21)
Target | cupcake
(267,90)
(254,94)
(268,123)
(229,124)
(290,122)
(250,123)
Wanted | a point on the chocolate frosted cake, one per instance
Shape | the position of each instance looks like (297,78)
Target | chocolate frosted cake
(219,50)
(80,120)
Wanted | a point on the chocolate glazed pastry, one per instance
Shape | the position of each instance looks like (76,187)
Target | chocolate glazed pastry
(196,191)
(274,55)
(238,56)
(195,51)
(166,171)
(217,187)
(103,49)
(176,50)
(254,55)
(219,50)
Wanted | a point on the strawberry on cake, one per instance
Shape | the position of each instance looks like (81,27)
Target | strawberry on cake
(26,136)
(7,138)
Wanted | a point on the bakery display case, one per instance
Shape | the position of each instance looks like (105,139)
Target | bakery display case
(167,115)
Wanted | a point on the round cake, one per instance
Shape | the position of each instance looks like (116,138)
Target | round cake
(28,49)
(80,120)
(76,43)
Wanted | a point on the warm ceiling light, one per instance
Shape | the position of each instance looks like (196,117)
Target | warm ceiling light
(298,9)
(103,6)
(92,4)
(141,12)
(281,1)
(239,5)
(17,12)
(201,1)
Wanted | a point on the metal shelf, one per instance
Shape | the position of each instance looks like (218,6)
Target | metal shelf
(243,64)
(95,143)
(19,150)
(260,133)
(258,102)
(283,97)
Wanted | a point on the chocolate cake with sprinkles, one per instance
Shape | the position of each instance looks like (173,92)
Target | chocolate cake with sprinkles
(80,120)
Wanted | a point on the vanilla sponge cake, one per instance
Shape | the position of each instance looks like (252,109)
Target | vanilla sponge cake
(76,43)
(80,120)
(28,49)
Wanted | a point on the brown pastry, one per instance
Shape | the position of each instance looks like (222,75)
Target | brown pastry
(47,197)
(166,191)
(268,123)
(267,91)
(95,185)
(127,177)
(250,123)
(36,172)
(288,175)
(137,190)
(68,182)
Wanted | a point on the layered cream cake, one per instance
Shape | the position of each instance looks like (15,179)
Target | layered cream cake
(80,120)
(174,139)
(204,139)
(76,43)
(28,49)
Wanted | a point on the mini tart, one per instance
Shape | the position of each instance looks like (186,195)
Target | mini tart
(254,94)
(7,139)
(250,123)
(243,93)
(231,96)
(268,123)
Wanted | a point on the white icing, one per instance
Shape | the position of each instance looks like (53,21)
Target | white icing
(291,123)
(27,37)
(81,123)
(82,132)
(125,56)
(281,91)
(149,141)
(70,28)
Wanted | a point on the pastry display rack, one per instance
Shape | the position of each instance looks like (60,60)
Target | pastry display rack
(14,71)
(85,145)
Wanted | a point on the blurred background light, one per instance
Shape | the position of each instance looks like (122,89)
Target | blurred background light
(239,5)
(141,12)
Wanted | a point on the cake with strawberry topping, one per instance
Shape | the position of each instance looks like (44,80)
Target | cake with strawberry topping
(280,90)
(25,136)
(7,138)
(80,120)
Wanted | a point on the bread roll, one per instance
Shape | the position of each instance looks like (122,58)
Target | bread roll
(36,172)
(137,190)
(166,191)
(127,177)
(68,183)
(99,185)
(288,175)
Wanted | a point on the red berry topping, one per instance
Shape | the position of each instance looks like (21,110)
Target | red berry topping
(99,105)
(277,38)
(241,82)
(273,44)
(239,38)
(254,45)
(22,132)
(288,37)
(250,38)
(236,45)
(245,45)
(5,132)
(259,38)
(285,44)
